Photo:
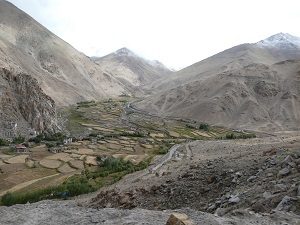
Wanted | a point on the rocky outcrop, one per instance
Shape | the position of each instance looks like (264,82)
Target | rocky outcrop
(24,107)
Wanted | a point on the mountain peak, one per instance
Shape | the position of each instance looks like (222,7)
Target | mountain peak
(280,40)
(125,52)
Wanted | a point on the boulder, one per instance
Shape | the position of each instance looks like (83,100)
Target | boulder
(286,203)
(234,199)
(284,172)
(179,219)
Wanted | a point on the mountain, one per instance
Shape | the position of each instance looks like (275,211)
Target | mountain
(31,54)
(132,69)
(24,107)
(250,86)
(63,73)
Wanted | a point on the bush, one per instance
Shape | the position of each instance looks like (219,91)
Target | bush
(190,126)
(3,142)
(204,126)
(239,136)
(51,144)
(112,164)
(230,136)
(38,139)
(162,150)
(59,137)
(18,140)
(93,134)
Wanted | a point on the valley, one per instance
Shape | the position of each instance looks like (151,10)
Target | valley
(116,138)
(102,129)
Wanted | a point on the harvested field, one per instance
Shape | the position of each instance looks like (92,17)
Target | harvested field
(77,164)
(60,156)
(91,160)
(66,169)
(4,156)
(16,159)
(50,163)
(85,151)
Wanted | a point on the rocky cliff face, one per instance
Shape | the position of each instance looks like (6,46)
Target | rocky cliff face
(24,107)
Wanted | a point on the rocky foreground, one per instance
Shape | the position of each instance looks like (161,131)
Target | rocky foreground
(69,213)
(262,174)
(255,181)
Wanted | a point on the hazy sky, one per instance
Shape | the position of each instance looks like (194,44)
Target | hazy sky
(176,32)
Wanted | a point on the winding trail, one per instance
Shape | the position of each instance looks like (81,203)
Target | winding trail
(161,161)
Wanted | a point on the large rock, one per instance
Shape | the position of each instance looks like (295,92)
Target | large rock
(286,203)
(179,219)
(284,172)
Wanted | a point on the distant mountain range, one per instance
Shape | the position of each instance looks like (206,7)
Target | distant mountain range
(250,86)
(64,74)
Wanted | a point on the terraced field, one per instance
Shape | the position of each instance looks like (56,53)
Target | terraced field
(104,129)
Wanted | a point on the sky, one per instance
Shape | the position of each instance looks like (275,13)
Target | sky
(176,32)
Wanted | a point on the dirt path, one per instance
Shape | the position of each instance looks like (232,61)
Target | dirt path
(164,159)
(25,184)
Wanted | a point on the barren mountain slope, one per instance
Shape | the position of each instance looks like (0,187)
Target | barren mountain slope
(23,106)
(279,47)
(65,74)
(248,86)
(128,67)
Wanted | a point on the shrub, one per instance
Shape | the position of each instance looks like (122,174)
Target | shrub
(190,126)
(239,136)
(93,134)
(230,136)
(51,144)
(115,165)
(3,142)
(18,140)
(55,137)
(37,139)
(162,150)
(204,126)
